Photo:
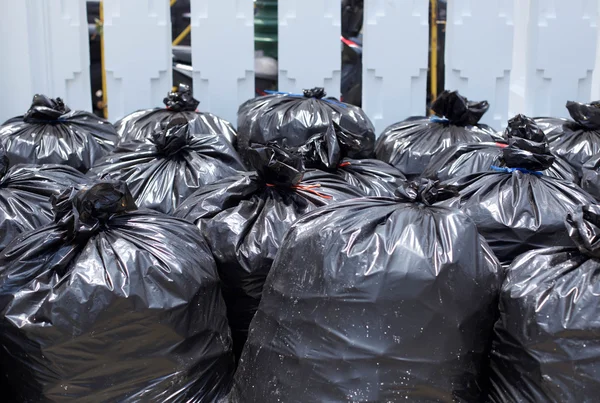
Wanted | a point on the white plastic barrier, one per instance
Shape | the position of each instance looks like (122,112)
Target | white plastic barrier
(395,60)
(561,54)
(137,50)
(43,49)
(309,45)
(478,53)
(222,55)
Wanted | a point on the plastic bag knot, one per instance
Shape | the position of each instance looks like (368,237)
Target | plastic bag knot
(84,211)
(527,146)
(181,100)
(458,110)
(172,138)
(586,115)
(317,92)
(583,226)
(44,109)
(424,191)
(276,166)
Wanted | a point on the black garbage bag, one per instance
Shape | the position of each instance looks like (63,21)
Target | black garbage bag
(180,160)
(335,151)
(375,300)
(50,133)
(139,126)
(109,304)
(547,341)
(466,159)
(575,140)
(516,207)
(409,145)
(291,120)
(244,218)
(25,192)
(590,180)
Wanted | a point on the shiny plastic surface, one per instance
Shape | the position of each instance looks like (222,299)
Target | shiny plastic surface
(291,120)
(244,218)
(139,126)
(517,212)
(547,342)
(466,159)
(25,192)
(109,304)
(410,145)
(179,160)
(590,179)
(375,300)
(50,133)
(578,140)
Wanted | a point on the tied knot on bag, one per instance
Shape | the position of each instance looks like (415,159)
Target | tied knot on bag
(327,150)
(583,226)
(424,191)
(181,100)
(173,137)
(317,92)
(44,109)
(528,148)
(82,212)
(586,115)
(458,110)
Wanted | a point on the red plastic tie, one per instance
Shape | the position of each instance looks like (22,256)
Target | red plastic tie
(344,164)
(502,145)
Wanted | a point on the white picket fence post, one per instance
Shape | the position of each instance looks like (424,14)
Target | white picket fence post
(395,60)
(44,49)
(222,55)
(478,53)
(561,54)
(137,49)
(309,45)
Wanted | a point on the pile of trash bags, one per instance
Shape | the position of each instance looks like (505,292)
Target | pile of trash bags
(301,258)
(244,218)
(179,160)
(141,125)
(50,133)
(409,145)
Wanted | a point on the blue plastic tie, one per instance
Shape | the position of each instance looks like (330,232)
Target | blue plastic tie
(511,170)
(437,119)
(289,94)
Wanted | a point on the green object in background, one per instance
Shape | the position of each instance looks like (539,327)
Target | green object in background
(265,27)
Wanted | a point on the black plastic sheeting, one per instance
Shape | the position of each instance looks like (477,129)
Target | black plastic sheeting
(139,126)
(578,140)
(50,133)
(410,145)
(112,304)
(590,180)
(291,120)
(547,342)
(466,159)
(244,218)
(25,192)
(180,160)
(338,151)
(375,300)
(516,207)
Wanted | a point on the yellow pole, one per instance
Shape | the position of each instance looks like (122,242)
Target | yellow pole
(434,46)
(172,2)
(104,95)
(182,35)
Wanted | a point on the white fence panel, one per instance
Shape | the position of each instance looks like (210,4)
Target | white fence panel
(395,60)
(478,53)
(223,55)
(44,49)
(562,38)
(137,49)
(309,45)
